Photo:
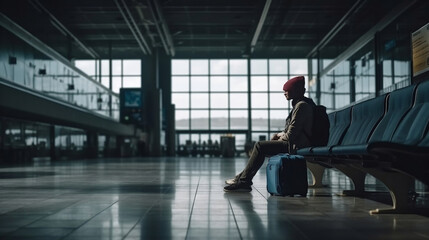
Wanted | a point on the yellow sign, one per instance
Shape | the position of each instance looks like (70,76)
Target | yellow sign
(420,45)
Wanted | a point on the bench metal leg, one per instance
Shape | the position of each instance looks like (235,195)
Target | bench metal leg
(317,171)
(356,176)
(399,185)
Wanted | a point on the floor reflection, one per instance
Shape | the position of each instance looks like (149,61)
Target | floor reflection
(183,198)
(249,220)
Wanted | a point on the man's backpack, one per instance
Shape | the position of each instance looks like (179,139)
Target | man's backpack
(320,129)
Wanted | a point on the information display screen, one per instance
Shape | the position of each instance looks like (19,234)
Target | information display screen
(132,98)
(131,106)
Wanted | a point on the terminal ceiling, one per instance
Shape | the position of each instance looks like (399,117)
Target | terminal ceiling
(88,29)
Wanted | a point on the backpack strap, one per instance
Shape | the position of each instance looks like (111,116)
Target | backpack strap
(308,135)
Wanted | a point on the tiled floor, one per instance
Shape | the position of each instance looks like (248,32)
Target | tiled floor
(182,198)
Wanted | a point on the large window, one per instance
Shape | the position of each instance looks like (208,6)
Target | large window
(223,94)
(125,73)
(210,94)
(350,81)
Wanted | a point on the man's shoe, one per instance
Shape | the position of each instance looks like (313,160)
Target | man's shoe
(238,187)
(230,181)
(234,181)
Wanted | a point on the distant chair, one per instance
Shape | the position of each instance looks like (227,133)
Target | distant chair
(227,145)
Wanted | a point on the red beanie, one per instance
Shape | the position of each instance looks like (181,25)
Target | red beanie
(296,83)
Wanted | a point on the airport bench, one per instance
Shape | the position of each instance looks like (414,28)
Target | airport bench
(386,137)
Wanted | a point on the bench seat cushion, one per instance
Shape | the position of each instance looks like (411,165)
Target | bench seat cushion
(305,151)
(322,151)
(398,150)
(350,150)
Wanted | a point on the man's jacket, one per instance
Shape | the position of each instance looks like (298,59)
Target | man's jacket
(298,125)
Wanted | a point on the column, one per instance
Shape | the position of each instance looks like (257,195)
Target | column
(168,109)
(152,105)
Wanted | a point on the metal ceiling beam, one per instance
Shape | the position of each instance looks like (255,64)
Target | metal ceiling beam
(158,29)
(340,24)
(164,27)
(260,25)
(57,24)
(126,14)
(139,33)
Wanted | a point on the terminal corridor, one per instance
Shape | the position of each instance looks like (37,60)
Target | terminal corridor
(126,119)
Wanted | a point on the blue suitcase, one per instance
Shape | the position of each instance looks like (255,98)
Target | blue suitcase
(287,175)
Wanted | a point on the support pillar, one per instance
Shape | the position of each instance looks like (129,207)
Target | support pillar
(152,104)
(168,109)
(52,151)
(92,144)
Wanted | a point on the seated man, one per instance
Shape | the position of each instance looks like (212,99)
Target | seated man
(295,135)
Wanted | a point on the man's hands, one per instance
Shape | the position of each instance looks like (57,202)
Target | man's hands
(277,136)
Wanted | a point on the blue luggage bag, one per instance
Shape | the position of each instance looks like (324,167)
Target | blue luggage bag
(287,175)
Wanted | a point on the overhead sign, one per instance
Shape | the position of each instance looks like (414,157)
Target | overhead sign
(420,47)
